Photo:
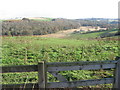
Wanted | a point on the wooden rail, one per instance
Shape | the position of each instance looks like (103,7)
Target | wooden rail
(42,68)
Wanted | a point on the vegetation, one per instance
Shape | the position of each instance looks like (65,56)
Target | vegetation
(103,23)
(27,50)
(41,26)
(95,34)
(43,19)
(18,49)
(33,27)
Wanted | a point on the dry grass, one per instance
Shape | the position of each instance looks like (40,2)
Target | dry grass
(60,34)
(65,33)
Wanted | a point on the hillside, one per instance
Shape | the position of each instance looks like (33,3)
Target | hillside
(40,19)
(36,27)
(43,26)
(102,22)
(92,35)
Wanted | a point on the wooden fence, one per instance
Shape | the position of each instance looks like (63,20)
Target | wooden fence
(42,68)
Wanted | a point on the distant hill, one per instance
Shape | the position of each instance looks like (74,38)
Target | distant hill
(36,26)
(102,22)
(30,18)
(43,25)
(40,18)
(98,19)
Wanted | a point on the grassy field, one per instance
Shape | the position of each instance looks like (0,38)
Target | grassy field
(92,34)
(42,19)
(29,50)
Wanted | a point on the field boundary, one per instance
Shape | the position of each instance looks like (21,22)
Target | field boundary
(44,67)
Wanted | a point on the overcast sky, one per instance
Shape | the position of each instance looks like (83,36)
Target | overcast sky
(71,9)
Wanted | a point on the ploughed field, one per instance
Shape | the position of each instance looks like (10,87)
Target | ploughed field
(29,50)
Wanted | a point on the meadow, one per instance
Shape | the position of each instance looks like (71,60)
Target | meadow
(29,50)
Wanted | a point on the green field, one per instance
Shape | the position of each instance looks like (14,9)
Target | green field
(45,19)
(29,50)
(92,34)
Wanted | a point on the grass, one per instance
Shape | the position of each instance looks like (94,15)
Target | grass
(43,19)
(28,50)
(91,34)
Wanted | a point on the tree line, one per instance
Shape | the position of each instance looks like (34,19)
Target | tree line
(102,23)
(32,27)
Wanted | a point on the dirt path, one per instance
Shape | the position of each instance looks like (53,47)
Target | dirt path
(60,34)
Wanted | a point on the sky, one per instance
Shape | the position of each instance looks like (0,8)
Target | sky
(70,9)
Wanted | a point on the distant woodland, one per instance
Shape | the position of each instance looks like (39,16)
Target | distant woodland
(33,27)
(103,23)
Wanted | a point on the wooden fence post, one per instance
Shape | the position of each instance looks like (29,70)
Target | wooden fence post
(117,76)
(42,75)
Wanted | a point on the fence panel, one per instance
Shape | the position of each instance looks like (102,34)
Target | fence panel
(54,68)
